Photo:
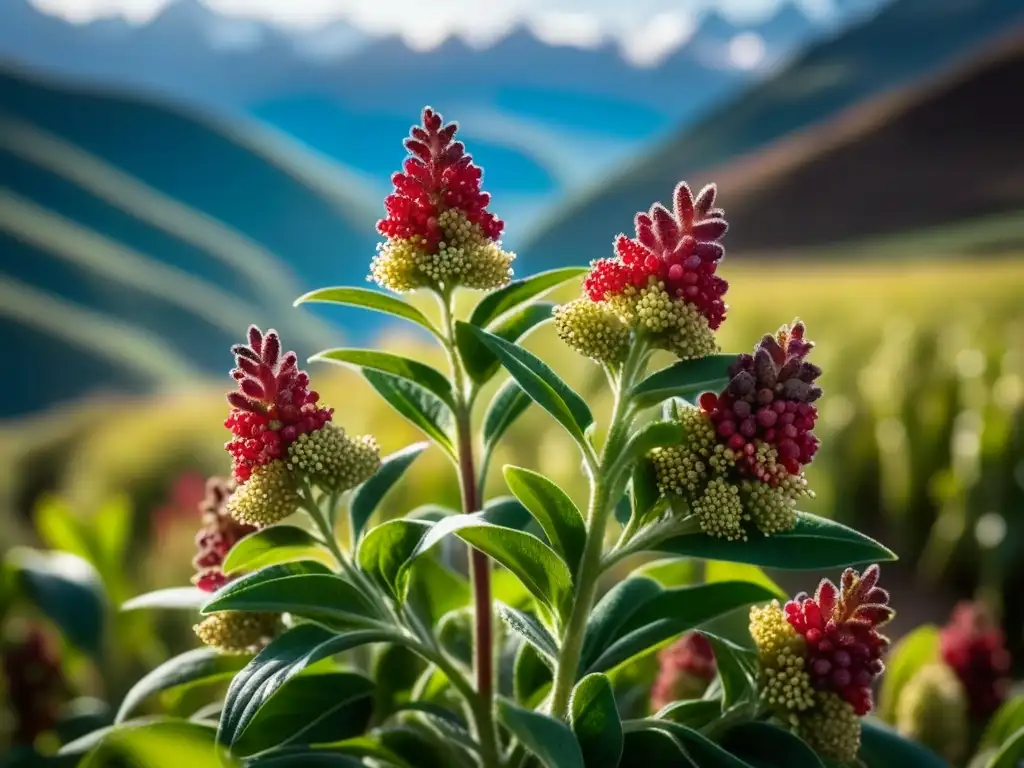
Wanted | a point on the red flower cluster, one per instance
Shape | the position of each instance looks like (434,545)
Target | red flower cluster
(34,683)
(439,175)
(220,532)
(840,627)
(273,404)
(679,248)
(768,399)
(975,648)
(687,667)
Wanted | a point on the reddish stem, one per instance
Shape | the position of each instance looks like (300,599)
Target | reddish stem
(480,573)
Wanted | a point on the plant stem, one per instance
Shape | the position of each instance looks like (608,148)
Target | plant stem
(598,512)
(479,564)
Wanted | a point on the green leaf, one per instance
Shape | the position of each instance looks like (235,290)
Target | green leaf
(552,508)
(495,304)
(508,404)
(508,512)
(672,612)
(531,676)
(413,371)
(549,739)
(420,407)
(325,597)
(332,705)
(737,670)
(532,631)
(435,589)
(305,758)
(686,379)
(163,744)
(914,651)
(612,612)
(369,495)
(694,713)
(368,746)
(199,664)
(718,570)
(368,299)
(66,589)
(671,571)
(480,362)
(180,598)
(273,545)
(594,718)
(541,383)
(700,749)
(535,564)
(767,746)
(815,543)
(284,658)
(882,747)
(644,492)
(386,553)
(653,749)
(1010,754)
(1006,721)
(59,529)
(655,434)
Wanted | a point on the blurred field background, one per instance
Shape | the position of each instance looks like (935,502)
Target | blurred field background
(161,188)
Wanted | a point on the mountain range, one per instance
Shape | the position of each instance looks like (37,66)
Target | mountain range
(545,119)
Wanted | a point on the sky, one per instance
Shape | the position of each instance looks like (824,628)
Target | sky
(640,25)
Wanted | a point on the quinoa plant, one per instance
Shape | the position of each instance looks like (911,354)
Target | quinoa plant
(379,652)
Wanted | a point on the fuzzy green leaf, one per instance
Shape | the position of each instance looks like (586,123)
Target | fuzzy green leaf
(420,407)
(180,598)
(321,707)
(372,300)
(161,744)
(284,658)
(480,362)
(199,664)
(273,545)
(549,739)
(671,612)
(686,379)
(532,631)
(370,494)
(653,749)
(700,749)
(767,746)
(387,550)
(542,384)
(507,405)
(612,612)
(552,508)
(815,543)
(694,713)
(413,371)
(518,292)
(594,718)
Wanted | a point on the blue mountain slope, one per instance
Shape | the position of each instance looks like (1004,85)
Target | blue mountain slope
(904,42)
(165,229)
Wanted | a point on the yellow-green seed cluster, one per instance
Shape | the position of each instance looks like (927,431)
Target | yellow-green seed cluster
(238,632)
(785,682)
(831,728)
(593,330)
(267,497)
(683,469)
(773,508)
(465,257)
(719,510)
(674,324)
(332,460)
(932,709)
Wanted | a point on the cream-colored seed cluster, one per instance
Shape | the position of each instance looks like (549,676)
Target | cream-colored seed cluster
(682,469)
(719,510)
(332,460)
(831,728)
(237,632)
(593,330)
(772,507)
(267,497)
(675,324)
(932,709)
(465,257)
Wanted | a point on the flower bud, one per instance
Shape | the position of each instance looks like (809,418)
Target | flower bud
(238,632)
(593,330)
(438,229)
(831,728)
(33,683)
(975,647)
(720,511)
(332,460)
(687,667)
(267,497)
(932,709)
